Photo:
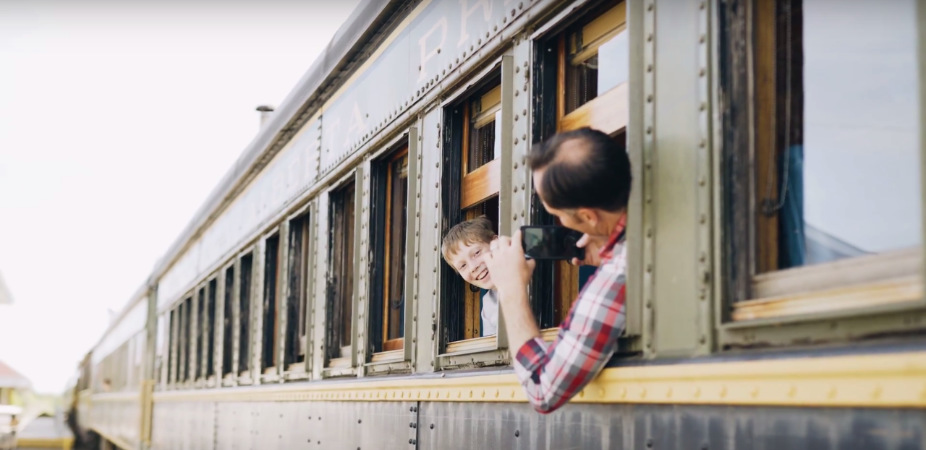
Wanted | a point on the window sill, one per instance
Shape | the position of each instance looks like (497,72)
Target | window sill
(388,362)
(469,346)
(338,367)
(474,353)
(296,371)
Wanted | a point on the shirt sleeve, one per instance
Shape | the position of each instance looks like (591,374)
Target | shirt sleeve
(551,375)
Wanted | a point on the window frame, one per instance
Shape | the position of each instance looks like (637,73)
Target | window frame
(245,376)
(303,299)
(227,376)
(800,308)
(488,350)
(270,305)
(549,68)
(345,365)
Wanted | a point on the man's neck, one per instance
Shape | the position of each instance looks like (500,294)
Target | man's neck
(610,221)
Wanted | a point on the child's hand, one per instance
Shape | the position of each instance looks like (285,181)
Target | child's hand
(507,265)
(592,245)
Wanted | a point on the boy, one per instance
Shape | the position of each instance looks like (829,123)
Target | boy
(463,248)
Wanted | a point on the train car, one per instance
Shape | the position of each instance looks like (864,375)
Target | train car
(775,297)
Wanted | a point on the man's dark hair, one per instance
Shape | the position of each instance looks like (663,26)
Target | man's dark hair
(583,168)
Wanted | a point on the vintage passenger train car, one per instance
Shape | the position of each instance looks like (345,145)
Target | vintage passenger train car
(775,231)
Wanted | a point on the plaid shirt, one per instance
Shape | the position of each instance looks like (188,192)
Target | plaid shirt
(551,375)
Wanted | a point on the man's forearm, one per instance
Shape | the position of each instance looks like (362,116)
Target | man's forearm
(519,319)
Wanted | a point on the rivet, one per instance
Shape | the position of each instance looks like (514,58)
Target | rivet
(516,139)
(723,392)
(701,72)
(649,268)
(649,305)
(701,39)
(649,130)
(702,6)
(649,37)
(649,67)
(703,106)
(832,393)
(876,393)
(649,98)
(702,181)
(792,391)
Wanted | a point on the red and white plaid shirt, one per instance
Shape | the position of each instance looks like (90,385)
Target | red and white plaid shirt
(552,374)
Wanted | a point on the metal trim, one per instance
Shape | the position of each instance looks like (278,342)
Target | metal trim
(703,205)
(648,188)
(873,381)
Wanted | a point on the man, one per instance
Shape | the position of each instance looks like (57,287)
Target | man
(583,178)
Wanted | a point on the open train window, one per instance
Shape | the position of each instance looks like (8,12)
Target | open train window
(271,325)
(186,344)
(583,80)
(823,204)
(201,330)
(340,289)
(387,317)
(472,150)
(297,305)
(228,326)
(209,326)
(244,315)
(174,347)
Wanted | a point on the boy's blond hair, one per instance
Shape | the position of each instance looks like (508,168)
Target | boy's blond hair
(467,233)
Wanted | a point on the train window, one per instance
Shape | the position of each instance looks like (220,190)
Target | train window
(208,324)
(583,83)
(189,325)
(387,326)
(172,353)
(297,303)
(830,214)
(201,330)
(271,325)
(244,315)
(228,325)
(472,179)
(340,277)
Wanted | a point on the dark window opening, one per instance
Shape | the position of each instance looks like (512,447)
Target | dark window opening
(387,318)
(210,326)
(341,273)
(296,305)
(187,313)
(201,330)
(470,183)
(228,322)
(271,325)
(244,313)
(172,351)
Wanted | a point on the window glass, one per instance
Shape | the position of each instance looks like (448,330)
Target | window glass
(211,327)
(839,170)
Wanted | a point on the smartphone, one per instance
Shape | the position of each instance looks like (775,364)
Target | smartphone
(551,242)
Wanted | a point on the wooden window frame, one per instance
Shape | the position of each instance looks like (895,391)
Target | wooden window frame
(381,236)
(299,286)
(838,300)
(476,351)
(270,305)
(244,287)
(344,362)
(229,336)
(550,58)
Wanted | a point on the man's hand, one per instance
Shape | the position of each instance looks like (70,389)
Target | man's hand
(506,263)
(592,245)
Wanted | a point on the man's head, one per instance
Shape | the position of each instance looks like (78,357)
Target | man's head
(582,177)
(465,245)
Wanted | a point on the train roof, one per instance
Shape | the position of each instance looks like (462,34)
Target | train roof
(362,32)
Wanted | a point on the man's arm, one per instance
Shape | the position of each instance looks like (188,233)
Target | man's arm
(511,272)
(551,375)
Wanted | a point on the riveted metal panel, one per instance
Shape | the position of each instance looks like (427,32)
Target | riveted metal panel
(257,317)
(505,226)
(517,426)
(320,273)
(412,245)
(362,263)
(703,169)
(282,298)
(676,132)
(647,35)
(350,425)
(428,236)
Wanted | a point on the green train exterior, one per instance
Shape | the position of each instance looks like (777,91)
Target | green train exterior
(775,285)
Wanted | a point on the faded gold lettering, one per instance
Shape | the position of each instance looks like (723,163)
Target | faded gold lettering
(423,44)
(467,11)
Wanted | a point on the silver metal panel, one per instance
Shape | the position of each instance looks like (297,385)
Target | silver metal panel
(350,425)
(319,273)
(412,245)
(428,236)
(676,131)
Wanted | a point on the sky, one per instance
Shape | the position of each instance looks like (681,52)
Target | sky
(117,119)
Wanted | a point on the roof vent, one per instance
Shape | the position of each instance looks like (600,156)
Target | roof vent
(266,112)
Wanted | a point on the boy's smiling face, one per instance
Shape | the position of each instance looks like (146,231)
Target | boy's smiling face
(467,261)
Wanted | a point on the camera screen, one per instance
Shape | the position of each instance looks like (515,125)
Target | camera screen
(551,242)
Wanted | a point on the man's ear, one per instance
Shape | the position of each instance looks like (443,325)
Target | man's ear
(589,216)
